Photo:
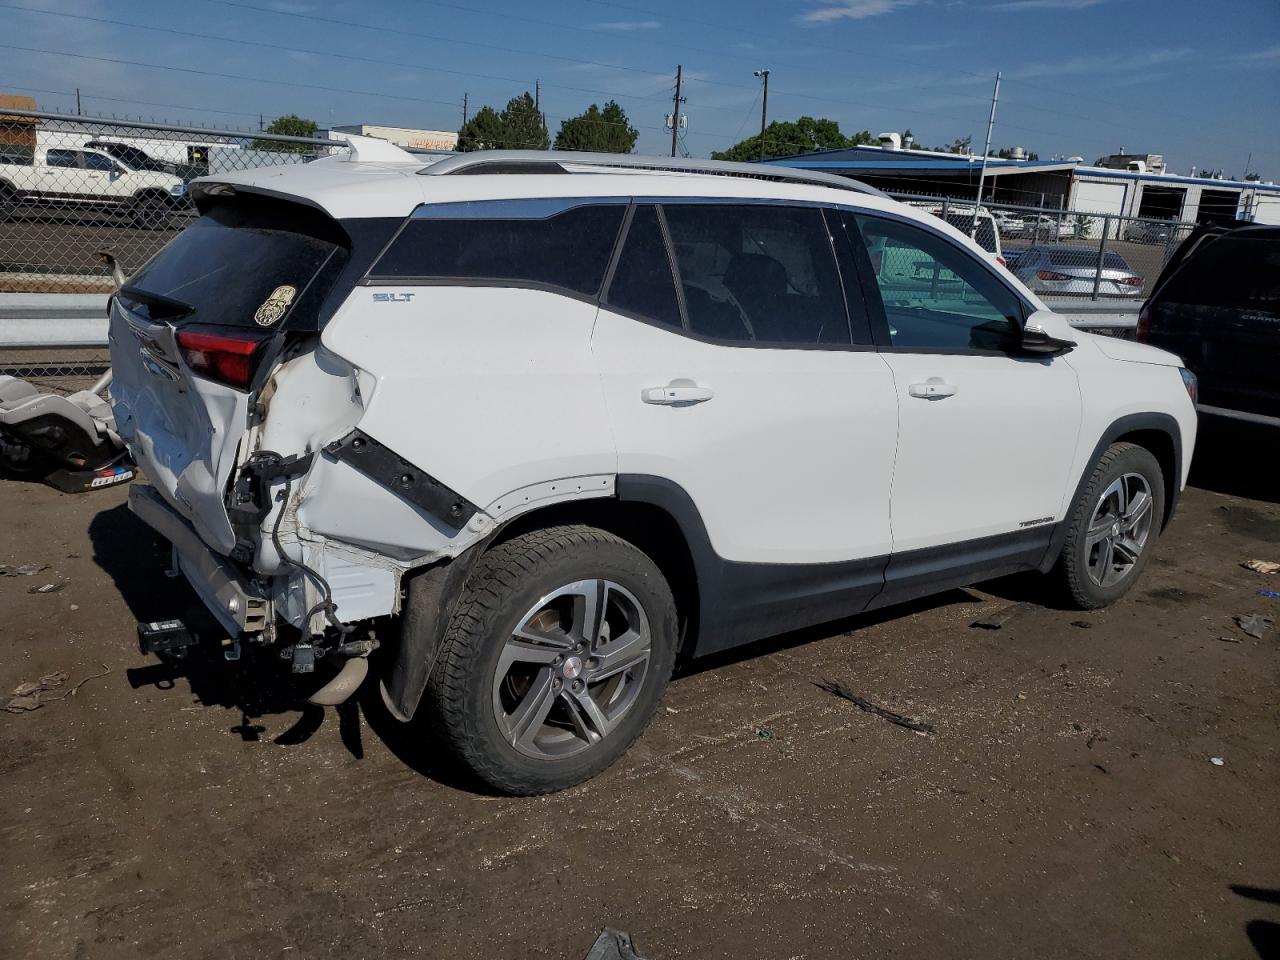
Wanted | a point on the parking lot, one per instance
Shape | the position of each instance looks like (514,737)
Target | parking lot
(1065,806)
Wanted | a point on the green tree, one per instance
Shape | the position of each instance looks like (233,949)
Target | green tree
(601,131)
(519,127)
(482,132)
(784,138)
(290,125)
(1253,177)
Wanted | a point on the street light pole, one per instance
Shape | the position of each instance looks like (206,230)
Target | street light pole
(764,107)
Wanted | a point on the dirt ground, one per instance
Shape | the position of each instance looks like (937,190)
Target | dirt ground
(1066,806)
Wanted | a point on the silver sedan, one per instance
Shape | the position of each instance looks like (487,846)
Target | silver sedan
(1065,270)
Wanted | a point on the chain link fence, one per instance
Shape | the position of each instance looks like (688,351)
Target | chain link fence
(1066,254)
(72,187)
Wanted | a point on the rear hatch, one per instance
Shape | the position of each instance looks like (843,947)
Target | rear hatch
(1220,310)
(195,333)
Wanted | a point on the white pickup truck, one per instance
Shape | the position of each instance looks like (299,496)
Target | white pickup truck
(89,179)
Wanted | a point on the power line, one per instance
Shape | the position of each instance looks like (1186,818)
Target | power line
(145,103)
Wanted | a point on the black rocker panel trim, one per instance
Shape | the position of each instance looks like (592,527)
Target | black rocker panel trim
(741,602)
(407,481)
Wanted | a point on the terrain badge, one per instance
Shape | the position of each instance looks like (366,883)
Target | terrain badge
(274,306)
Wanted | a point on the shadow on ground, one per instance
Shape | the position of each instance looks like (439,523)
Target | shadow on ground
(1237,458)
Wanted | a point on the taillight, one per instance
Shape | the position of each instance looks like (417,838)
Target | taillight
(1002,261)
(225,357)
(1143,328)
(1130,281)
(1051,275)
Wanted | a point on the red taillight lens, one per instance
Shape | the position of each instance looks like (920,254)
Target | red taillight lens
(1130,281)
(1002,261)
(1051,275)
(1144,323)
(224,357)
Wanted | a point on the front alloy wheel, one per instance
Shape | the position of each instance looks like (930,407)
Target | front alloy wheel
(1112,527)
(1119,530)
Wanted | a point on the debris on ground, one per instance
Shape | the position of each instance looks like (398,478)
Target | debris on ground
(1270,594)
(28,695)
(840,690)
(1262,566)
(763,734)
(1231,640)
(25,570)
(1252,624)
(1217,761)
(998,619)
(52,587)
(613,945)
(1082,624)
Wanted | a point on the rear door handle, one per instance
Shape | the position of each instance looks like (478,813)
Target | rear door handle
(932,389)
(678,393)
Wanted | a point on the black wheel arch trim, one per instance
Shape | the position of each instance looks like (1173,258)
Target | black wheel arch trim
(1133,423)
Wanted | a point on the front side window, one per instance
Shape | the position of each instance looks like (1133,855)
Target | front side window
(937,295)
(61,158)
(557,243)
(760,273)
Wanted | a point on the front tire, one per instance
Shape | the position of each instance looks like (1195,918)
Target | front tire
(555,659)
(1113,528)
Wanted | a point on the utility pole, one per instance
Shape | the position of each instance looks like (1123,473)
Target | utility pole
(991,122)
(675,110)
(764,107)
(79,114)
(465,98)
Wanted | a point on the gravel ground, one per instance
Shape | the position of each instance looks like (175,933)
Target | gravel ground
(1066,806)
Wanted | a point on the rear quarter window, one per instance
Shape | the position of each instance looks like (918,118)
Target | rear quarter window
(552,243)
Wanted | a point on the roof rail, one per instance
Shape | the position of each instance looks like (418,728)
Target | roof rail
(557,161)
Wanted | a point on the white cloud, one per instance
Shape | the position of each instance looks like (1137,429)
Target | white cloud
(853,10)
(1261,56)
(627,26)
(1045,4)
(1116,63)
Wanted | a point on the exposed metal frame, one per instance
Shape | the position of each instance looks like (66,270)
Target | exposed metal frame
(557,161)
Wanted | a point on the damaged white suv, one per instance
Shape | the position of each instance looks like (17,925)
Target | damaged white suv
(547,421)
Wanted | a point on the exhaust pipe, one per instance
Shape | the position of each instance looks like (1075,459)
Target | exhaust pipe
(341,688)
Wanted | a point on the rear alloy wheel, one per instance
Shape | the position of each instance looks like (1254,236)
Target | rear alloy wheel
(1113,527)
(555,659)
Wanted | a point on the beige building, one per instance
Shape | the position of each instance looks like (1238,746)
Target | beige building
(405,136)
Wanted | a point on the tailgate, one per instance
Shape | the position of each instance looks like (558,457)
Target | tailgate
(194,333)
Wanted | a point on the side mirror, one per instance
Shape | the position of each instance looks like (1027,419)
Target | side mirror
(1036,341)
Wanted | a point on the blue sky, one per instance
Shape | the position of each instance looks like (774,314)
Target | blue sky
(1195,80)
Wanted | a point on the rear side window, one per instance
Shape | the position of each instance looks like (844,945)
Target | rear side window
(556,243)
(257,264)
(759,273)
(643,283)
(97,161)
(1230,272)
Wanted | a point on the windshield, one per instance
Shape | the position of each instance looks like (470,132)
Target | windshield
(264,263)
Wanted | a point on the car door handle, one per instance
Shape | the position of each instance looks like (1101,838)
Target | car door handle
(932,389)
(678,393)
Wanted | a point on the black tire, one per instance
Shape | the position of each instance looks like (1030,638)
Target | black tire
(507,582)
(1072,570)
(150,211)
(8,202)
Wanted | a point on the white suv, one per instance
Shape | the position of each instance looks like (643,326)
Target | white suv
(546,422)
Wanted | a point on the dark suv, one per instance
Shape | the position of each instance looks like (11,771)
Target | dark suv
(1217,304)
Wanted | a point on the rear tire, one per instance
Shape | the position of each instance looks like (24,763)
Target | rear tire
(555,659)
(1114,526)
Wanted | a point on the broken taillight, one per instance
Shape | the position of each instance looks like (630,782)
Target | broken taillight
(222,356)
